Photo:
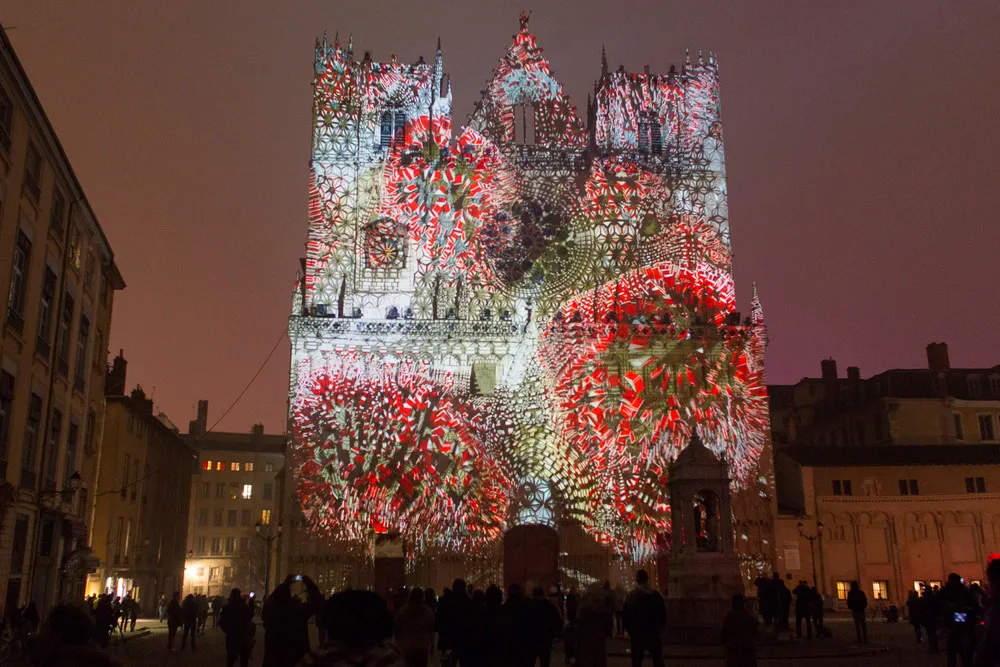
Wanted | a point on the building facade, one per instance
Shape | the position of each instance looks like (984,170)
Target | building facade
(897,476)
(520,323)
(60,277)
(234,524)
(146,466)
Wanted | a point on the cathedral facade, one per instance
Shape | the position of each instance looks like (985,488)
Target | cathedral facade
(517,323)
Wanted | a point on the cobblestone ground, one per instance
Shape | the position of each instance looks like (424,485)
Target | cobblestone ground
(897,639)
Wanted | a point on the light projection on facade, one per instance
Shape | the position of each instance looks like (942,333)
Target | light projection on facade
(519,322)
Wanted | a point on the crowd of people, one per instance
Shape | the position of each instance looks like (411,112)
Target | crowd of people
(467,627)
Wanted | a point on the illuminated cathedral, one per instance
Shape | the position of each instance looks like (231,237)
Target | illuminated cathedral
(519,322)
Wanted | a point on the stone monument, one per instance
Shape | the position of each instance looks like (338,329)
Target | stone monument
(704,570)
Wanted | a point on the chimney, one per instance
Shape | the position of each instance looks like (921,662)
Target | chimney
(114,380)
(258,429)
(200,425)
(937,357)
(853,373)
(829,368)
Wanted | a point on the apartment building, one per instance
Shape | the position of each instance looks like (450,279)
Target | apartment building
(234,523)
(896,478)
(141,508)
(60,277)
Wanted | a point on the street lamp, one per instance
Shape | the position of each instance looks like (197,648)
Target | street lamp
(72,486)
(812,550)
(268,541)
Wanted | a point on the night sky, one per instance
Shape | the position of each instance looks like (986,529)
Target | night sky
(861,137)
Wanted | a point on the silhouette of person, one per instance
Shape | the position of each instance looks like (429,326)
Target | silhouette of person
(236,621)
(738,630)
(414,630)
(645,614)
(358,629)
(189,612)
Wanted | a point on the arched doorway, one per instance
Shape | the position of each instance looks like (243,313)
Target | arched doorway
(531,557)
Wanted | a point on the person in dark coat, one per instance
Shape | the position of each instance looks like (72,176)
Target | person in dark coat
(515,646)
(738,630)
(286,623)
(66,640)
(414,630)
(929,617)
(494,638)
(358,630)
(175,619)
(454,623)
(782,602)
(594,623)
(913,613)
(189,613)
(818,611)
(104,620)
(857,602)
(544,626)
(237,622)
(960,611)
(645,614)
(803,609)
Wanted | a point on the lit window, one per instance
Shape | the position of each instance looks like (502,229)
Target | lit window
(207,465)
(247,491)
(248,466)
(265,517)
(880,590)
(234,466)
(219,465)
(234,491)
(842,589)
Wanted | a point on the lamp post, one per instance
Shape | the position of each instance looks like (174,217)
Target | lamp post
(268,541)
(812,550)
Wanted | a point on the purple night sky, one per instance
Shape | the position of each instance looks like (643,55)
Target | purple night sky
(862,144)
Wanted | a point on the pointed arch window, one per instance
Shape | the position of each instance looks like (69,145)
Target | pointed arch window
(392,127)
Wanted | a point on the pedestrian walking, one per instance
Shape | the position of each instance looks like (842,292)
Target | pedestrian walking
(644,616)
(857,602)
(739,627)
(161,608)
(414,630)
(236,622)
(189,612)
(175,619)
(619,605)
